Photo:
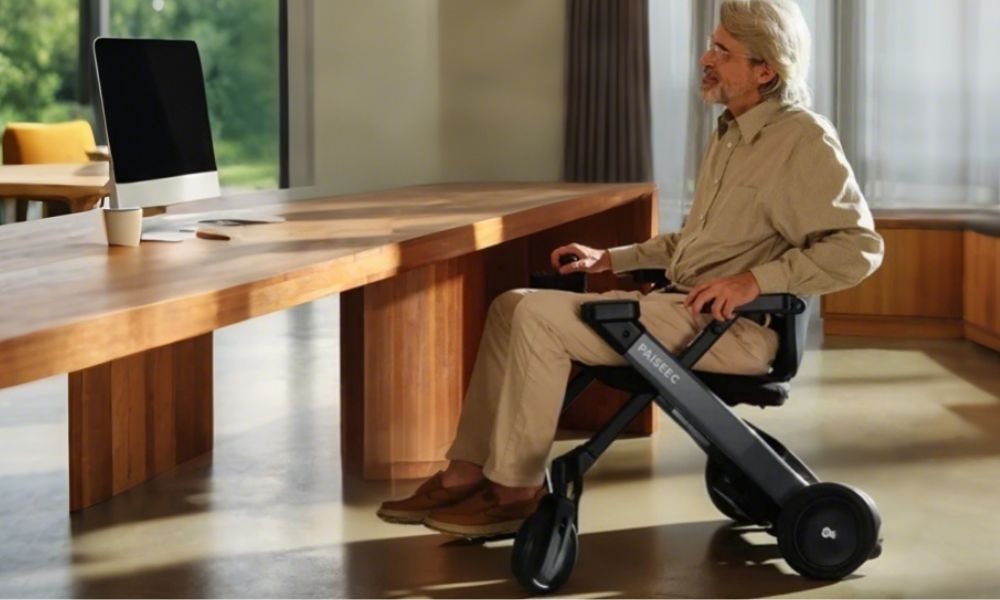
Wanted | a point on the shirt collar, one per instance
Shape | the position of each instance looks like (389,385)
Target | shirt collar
(752,121)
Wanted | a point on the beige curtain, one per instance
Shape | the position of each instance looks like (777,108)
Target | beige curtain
(608,114)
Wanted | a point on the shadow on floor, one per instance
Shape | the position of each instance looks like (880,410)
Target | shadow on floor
(968,361)
(702,559)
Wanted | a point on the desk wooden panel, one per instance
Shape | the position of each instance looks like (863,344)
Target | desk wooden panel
(427,259)
(138,416)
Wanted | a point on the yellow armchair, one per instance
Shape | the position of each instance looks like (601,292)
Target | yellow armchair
(41,143)
(46,143)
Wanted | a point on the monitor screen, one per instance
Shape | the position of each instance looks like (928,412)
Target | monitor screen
(155,109)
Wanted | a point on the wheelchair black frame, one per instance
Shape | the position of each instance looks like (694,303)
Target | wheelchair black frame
(708,420)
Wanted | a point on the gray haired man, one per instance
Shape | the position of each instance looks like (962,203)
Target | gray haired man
(776,210)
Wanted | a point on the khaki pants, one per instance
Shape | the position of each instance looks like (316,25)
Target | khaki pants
(512,406)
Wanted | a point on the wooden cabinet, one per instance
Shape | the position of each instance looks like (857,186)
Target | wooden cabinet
(939,279)
(916,293)
(982,288)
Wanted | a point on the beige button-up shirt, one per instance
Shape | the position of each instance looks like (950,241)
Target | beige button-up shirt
(775,197)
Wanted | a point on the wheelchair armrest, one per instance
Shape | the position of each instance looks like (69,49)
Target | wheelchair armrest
(616,321)
(574,282)
(607,311)
(657,277)
(768,304)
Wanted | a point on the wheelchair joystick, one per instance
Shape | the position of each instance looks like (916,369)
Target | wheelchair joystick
(573,282)
(566,259)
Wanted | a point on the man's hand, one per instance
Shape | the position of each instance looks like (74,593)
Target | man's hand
(727,293)
(590,260)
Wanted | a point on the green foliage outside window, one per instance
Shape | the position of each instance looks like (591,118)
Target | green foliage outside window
(38,61)
(238,42)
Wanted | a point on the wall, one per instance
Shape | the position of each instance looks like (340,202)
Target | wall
(419,91)
(503,89)
(301,93)
(376,85)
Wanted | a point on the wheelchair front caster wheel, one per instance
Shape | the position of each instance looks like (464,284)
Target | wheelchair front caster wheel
(735,496)
(719,485)
(545,548)
(828,530)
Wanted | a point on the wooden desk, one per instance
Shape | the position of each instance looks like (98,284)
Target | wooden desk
(417,266)
(80,185)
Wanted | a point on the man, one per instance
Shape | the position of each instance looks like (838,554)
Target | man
(776,209)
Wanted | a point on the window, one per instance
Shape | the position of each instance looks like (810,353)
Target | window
(239,42)
(239,45)
(38,61)
(925,86)
(911,86)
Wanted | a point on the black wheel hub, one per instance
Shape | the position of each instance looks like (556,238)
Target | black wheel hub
(827,532)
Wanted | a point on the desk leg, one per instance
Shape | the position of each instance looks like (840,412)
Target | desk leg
(136,417)
(408,345)
(401,372)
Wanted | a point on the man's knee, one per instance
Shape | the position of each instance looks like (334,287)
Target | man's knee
(544,305)
(505,304)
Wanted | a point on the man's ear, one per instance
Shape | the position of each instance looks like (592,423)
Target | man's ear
(765,74)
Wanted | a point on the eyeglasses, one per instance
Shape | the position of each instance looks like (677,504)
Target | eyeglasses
(723,54)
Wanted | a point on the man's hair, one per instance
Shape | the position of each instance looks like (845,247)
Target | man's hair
(775,32)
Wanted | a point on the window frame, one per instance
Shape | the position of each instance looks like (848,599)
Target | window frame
(94,22)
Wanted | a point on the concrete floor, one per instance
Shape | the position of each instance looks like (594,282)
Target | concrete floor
(914,423)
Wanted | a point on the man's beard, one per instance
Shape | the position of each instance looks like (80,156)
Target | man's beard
(715,95)
(719,92)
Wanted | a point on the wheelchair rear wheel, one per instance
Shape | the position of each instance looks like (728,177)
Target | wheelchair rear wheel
(828,530)
(545,548)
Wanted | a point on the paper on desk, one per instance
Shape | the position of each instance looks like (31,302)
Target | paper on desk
(246,218)
(247,215)
(167,236)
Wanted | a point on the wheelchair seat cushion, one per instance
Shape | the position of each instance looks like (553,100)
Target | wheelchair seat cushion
(744,389)
(731,389)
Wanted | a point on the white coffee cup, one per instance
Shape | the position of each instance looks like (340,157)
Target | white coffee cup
(123,226)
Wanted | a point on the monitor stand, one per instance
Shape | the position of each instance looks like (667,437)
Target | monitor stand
(182,226)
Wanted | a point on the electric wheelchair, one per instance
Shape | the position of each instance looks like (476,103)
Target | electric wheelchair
(824,530)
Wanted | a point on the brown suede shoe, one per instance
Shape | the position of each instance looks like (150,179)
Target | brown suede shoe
(482,515)
(429,496)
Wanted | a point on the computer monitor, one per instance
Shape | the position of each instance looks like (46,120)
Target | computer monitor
(156,116)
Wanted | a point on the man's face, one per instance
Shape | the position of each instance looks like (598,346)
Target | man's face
(727,72)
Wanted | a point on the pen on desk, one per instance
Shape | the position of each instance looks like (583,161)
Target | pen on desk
(211,235)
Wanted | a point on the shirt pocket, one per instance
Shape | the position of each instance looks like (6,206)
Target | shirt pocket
(739,217)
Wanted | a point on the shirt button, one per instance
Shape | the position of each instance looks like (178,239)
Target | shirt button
(729,145)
